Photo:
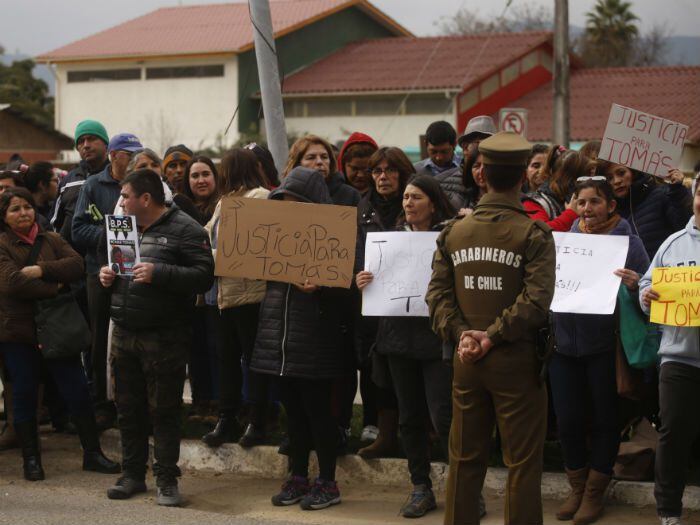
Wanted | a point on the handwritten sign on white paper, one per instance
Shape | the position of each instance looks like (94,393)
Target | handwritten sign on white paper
(585,283)
(401,265)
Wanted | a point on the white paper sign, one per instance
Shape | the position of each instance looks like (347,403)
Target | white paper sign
(122,243)
(401,264)
(642,141)
(585,283)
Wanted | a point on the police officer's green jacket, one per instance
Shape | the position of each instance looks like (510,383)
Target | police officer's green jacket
(493,271)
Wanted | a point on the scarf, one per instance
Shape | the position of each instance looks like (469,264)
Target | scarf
(388,209)
(31,236)
(603,227)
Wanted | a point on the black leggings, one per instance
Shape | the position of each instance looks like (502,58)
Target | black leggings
(310,424)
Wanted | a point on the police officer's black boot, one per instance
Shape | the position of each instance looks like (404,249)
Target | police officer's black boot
(93,458)
(227,430)
(27,432)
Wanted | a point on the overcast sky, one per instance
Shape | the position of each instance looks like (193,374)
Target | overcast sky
(36,26)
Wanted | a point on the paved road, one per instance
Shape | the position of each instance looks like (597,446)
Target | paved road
(70,496)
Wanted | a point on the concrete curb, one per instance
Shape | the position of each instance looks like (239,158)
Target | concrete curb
(265,462)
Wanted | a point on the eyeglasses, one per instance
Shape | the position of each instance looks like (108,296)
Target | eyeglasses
(388,171)
(596,178)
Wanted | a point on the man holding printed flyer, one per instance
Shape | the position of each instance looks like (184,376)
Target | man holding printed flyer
(151,313)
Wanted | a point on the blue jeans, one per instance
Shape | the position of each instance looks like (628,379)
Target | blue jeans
(579,383)
(23,363)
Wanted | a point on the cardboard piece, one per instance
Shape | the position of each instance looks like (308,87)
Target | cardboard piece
(679,291)
(401,264)
(585,283)
(642,141)
(286,241)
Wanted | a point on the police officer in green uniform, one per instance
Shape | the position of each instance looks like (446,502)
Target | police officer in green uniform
(491,288)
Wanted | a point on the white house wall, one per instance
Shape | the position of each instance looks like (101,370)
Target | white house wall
(161,112)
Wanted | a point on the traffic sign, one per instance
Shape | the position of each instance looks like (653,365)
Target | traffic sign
(514,119)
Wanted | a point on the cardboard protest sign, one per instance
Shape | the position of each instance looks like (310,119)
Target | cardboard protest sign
(679,291)
(585,283)
(286,241)
(122,243)
(401,265)
(642,141)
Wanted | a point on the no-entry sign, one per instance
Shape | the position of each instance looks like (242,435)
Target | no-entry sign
(514,119)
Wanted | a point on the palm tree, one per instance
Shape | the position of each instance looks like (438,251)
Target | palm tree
(611,33)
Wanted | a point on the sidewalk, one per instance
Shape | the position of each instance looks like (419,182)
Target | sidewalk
(264,462)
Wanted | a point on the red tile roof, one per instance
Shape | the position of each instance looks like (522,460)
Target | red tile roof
(212,28)
(398,64)
(669,92)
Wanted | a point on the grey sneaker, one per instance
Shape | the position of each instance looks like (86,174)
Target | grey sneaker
(420,502)
(125,487)
(671,520)
(169,496)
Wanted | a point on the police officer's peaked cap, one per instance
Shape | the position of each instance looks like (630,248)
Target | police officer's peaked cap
(505,148)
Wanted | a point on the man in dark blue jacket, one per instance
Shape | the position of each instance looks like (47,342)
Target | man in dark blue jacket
(98,197)
(91,141)
(152,333)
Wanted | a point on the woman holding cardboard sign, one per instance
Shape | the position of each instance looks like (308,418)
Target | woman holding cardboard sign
(420,377)
(297,341)
(679,379)
(583,365)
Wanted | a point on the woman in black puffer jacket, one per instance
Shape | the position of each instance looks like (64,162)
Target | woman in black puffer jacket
(654,209)
(298,333)
(414,354)
(379,211)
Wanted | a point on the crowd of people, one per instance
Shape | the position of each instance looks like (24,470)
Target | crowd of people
(250,347)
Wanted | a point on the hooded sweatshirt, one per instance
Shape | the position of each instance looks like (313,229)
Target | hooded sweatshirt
(678,344)
(355,138)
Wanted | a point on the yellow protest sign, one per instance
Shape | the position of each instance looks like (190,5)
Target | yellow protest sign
(679,296)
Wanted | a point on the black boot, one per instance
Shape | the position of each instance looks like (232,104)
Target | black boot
(226,430)
(93,458)
(27,432)
(252,437)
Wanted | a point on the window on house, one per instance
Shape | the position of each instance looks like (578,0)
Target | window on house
(428,105)
(293,108)
(529,61)
(329,107)
(546,60)
(468,99)
(510,73)
(489,86)
(155,73)
(104,75)
(378,105)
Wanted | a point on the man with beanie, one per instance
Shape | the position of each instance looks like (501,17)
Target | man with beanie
(174,163)
(91,142)
(98,197)
(490,293)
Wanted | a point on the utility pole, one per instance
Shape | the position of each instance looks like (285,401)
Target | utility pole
(560,113)
(268,73)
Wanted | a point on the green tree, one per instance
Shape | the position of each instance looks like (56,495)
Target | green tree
(611,35)
(28,95)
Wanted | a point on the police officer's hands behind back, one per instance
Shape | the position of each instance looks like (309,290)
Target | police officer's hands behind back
(473,345)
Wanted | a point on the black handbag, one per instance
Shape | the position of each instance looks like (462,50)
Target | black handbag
(61,329)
